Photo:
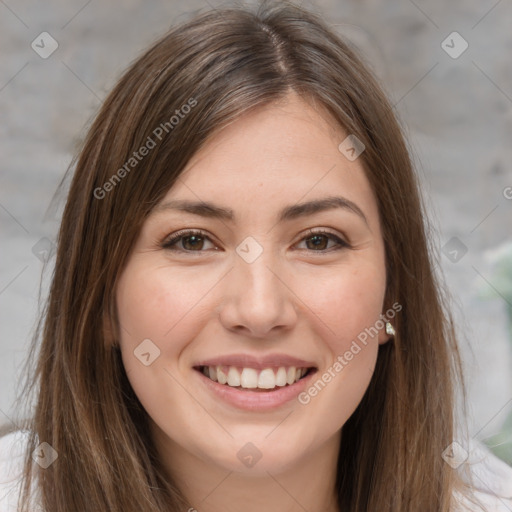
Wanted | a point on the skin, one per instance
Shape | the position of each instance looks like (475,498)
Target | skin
(294,298)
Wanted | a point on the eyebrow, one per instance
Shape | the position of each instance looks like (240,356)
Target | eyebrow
(210,210)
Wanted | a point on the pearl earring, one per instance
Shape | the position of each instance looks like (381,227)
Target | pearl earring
(390,329)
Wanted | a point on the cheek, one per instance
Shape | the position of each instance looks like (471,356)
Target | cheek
(348,305)
(156,302)
(166,307)
(348,302)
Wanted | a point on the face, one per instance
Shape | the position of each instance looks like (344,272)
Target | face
(268,285)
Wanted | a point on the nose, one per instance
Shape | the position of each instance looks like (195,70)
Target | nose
(257,299)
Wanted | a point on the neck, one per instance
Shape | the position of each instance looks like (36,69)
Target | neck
(309,483)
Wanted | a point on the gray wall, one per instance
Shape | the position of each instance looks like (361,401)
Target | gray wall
(457,113)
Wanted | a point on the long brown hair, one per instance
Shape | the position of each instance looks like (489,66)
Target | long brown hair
(223,63)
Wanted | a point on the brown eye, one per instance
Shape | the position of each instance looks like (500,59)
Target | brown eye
(318,241)
(192,242)
(187,241)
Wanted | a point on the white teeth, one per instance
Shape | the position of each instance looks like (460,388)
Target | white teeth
(250,378)
(233,377)
(267,379)
(290,376)
(281,377)
(222,378)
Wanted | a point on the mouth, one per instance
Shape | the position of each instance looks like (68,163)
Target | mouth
(253,379)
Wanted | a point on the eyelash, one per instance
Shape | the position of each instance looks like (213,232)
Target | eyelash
(168,244)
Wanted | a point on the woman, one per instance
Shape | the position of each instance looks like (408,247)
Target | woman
(244,312)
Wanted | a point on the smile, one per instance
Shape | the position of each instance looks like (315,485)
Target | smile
(252,378)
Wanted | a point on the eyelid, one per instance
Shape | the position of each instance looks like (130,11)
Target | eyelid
(176,237)
(341,240)
(182,233)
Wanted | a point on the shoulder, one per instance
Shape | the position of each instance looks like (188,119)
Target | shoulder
(491,481)
(12,455)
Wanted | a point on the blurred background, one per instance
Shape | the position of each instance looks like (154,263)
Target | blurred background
(447,69)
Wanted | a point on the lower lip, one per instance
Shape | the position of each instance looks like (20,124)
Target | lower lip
(256,400)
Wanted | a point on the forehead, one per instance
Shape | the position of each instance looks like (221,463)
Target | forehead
(279,154)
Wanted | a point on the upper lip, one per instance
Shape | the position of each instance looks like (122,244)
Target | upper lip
(257,362)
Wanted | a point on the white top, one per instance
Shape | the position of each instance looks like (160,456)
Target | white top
(492,477)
